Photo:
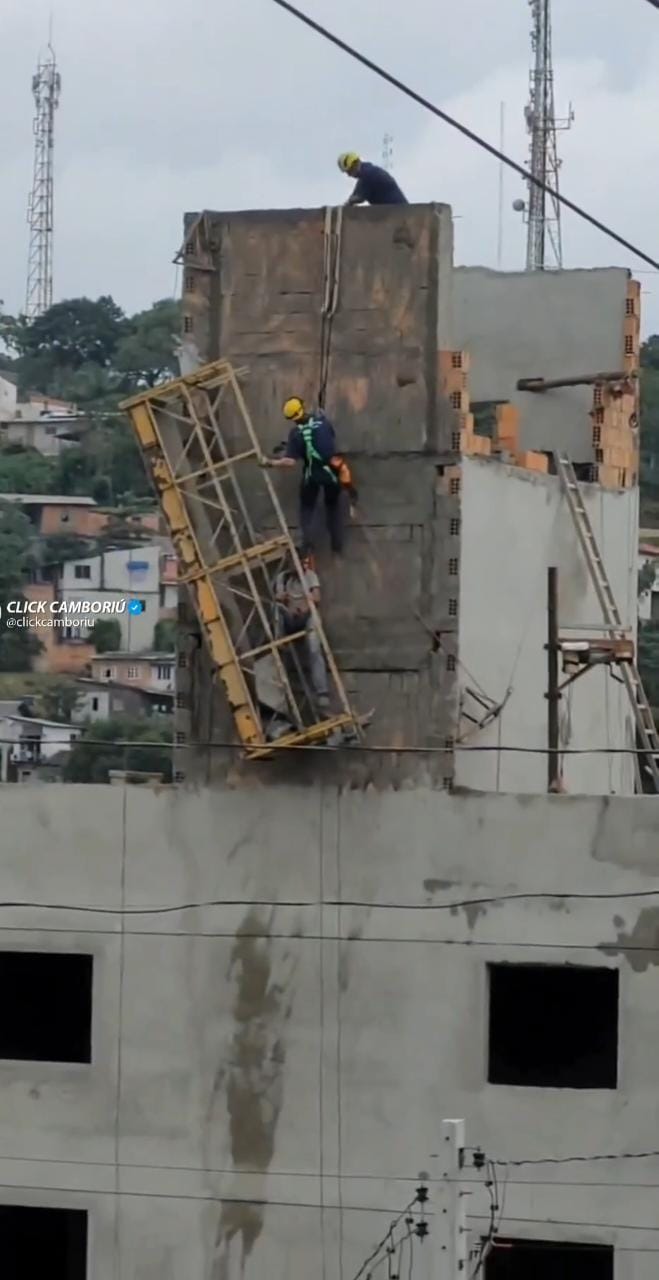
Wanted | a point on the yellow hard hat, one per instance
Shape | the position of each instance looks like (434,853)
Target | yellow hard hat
(348,160)
(294,409)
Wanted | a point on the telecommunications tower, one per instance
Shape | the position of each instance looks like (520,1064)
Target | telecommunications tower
(544,248)
(388,152)
(46,85)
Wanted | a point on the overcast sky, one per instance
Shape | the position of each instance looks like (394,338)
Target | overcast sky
(170,105)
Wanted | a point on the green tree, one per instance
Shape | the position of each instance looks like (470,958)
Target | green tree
(70,334)
(58,700)
(648,661)
(145,354)
(57,548)
(18,645)
(89,353)
(650,431)
(25,471)
(106,635)
(91,761)
(164,635)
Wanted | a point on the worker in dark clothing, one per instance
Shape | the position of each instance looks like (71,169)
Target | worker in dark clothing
(312,441)
(374,185)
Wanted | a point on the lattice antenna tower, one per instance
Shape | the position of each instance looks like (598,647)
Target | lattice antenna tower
(46,85)
(388,152)
(544,246)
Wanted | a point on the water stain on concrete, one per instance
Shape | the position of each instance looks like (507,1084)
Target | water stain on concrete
(438,886)
(473,911)
(237,1220)
(640,947)
(253,1081)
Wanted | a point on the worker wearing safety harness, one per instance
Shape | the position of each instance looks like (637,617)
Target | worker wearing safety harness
(312,441)
(374,185)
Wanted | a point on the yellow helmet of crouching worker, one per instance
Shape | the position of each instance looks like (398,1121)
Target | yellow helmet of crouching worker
(348,160)
(294,409)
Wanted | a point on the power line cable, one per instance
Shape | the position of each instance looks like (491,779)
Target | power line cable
(454,905)
(461,128)
(384,1242)
(613,947)
(201,744)
(571,1222)
(580,1159)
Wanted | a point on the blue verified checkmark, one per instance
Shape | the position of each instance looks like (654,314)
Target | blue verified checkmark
(135,606)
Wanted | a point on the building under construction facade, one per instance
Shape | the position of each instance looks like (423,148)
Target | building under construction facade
(293,964)
(436,615)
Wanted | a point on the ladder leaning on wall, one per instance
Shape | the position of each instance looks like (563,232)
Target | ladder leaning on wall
(630,674)
(201,449)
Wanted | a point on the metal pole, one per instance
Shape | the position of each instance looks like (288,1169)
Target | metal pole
(449,1225)
(553,693)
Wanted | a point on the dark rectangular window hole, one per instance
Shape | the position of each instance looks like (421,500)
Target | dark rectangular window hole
(46,1012)
(548,1260)
(553,1026)
(43,1242)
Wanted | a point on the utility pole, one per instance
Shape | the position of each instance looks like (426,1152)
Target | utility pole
(448,1228)
(544,246)
(46,85)
(553,691)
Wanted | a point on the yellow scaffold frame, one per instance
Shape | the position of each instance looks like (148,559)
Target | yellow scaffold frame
(177,426)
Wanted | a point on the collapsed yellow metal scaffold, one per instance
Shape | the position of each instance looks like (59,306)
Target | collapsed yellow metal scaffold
(200,447)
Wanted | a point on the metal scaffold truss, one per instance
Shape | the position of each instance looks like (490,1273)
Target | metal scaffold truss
(46,86)
(233,546)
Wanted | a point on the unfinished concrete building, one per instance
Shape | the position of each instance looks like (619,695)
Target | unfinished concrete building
(293,969)
(437,612)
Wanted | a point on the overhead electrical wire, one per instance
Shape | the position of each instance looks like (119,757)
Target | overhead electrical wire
(297,903)
(571,1222)
(463,129)
(384,1242)
(579,1159)
(373,749)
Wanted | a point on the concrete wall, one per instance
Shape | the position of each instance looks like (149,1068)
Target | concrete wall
(254,292)
(552,324)
(270,1071)
(8,396)
(515,524)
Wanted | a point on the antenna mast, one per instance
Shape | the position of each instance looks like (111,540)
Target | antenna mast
(544,246)
(46,84)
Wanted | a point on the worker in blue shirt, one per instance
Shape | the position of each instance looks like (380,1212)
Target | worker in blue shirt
(312,442)
(374,185)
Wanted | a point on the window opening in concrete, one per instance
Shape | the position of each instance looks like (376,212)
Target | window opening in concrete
(545,1260)
(43,1242)
(455,525)
(454,485)
(46,1012)
(553,1026)
(453,608)
(453,566)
